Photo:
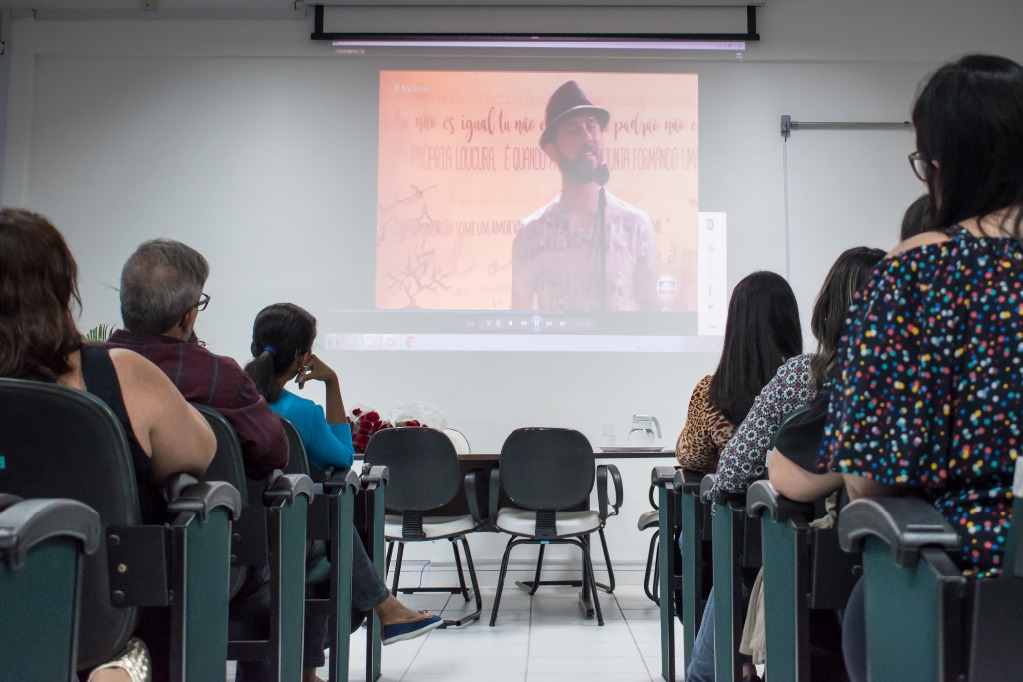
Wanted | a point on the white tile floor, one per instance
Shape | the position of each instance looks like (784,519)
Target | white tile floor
(544,638)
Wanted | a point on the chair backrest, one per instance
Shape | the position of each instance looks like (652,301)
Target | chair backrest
(423,466)
(298,459)
(62,442)
(228,464)
(547,468)
(459,440)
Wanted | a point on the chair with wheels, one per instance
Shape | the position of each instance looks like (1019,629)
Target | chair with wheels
(42,544)
(425,476)
(805,571)
(925,619)
(266,618)
(548,473)
(180,565)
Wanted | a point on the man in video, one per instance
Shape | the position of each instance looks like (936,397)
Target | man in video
(564,256)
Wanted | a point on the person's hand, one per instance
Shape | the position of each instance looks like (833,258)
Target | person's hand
(314,370)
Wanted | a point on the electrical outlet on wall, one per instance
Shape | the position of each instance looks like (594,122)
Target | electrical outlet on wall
(149,5)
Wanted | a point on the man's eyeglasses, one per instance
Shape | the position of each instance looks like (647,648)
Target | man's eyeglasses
(921,166)
(204,300)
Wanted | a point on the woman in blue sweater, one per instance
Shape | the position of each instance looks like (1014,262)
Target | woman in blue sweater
(282,341)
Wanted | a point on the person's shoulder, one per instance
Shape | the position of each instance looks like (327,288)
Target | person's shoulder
(703,385)
(622,207)
(796,368)
(288,401)
(135,369)
(922,240)
(796,363)
(540,215)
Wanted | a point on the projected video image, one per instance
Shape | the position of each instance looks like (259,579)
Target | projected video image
(490,184)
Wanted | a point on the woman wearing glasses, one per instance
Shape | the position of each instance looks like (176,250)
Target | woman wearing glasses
(927,394)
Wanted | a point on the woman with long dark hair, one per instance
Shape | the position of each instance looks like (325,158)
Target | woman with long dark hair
(282,350)
(793,385)
(761,332)
(926,398)
(40,341)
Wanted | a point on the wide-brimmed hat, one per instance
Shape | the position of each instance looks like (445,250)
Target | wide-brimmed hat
(569,100)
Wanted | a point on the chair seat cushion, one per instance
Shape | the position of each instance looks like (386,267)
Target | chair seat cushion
(523,522)
(650,519)
(435,527)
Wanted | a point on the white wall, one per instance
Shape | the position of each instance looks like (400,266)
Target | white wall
(231,136)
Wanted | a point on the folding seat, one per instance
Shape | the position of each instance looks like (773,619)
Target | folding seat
(266,618)
(61,442)
(329,577)
(804,571)
(42,544)
(736,559)
(925,619)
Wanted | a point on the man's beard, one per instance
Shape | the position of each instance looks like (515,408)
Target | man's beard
(582,169)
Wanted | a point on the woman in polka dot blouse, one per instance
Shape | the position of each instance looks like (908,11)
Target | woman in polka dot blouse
(931,370)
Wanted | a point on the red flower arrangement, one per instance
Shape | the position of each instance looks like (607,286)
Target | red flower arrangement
(365,423)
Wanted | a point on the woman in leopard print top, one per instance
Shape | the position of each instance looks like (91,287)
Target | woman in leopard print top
(762,330)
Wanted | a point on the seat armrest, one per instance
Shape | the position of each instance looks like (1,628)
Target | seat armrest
(341,479)
(661,477)
(373,476)
(664,476)
(706,485)
(289,487)
(203,497)
(495,492)
(6,500)
(906,525)
(471,487)
(175,484)
(27,523)
(602,500)
(762,498)
(689,481)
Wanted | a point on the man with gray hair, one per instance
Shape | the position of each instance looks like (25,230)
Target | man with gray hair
(161,296)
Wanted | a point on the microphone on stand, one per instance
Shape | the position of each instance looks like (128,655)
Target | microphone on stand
(601,174)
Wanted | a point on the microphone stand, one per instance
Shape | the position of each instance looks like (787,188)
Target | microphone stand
(602,175)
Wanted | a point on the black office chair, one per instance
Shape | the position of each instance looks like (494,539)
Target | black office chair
(266,619)
(424,476)
(651,520)
(42,543)
(331,519)
(549,474)
(925,619)
(61,442)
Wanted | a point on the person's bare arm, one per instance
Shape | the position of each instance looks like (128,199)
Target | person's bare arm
(861,486)
(172,432)
(318,370)
(798,484)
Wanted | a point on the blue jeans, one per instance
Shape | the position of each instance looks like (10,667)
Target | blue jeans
(854,635)
(368,591)
(701,667)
